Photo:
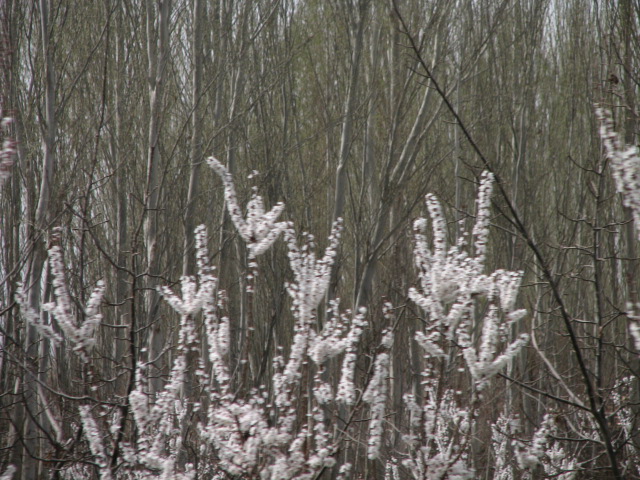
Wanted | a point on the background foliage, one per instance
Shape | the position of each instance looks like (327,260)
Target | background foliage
(331,108)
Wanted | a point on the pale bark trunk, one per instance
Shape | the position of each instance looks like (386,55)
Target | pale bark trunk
(157,50)
(188,265)
(349,111)
(195,154)
(631,228)
(231,250)
(31,468)
(121,198)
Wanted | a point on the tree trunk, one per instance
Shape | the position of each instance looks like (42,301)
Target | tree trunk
(30,467)
(195,156)
(157,51)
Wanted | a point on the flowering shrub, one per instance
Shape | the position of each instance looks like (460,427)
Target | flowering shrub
(296,424)
(266,432)
(452,282)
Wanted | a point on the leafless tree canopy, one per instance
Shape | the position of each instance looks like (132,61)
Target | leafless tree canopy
(319,239)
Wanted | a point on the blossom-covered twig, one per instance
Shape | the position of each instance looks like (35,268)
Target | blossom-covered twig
(625,164)
(376,396)
(311,280)
(82,337)
(311,276)
(625,168)
(543,450)
(451,281)
(8,473)
(438,435)
(260,229)
(96,444)
(196,295)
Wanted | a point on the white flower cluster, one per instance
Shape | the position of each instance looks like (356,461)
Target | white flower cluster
(625,168)
(634,329)
(239,433)
(346,387)
(625,417)
(158,424)
(340,334)
(281,430)
(483,363)
(8,473)
(625,164)
(82,337)
(391,471)
(449,283)
(262,434)
(438,435)
(253,436)
(311,280)
(543,450)
(376,396)
(193,298)
(501,431)
(260,229)
(94,437)
(311,276)
(159,420)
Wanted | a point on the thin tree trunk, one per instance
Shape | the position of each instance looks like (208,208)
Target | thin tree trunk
(188,265)
(630,232)
(157,51)
(31,468)
(349,111)
(230,271)
(195,156)
(120,164)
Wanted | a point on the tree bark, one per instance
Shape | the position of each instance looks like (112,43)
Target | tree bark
(30,467)
(195,155)
(157,52)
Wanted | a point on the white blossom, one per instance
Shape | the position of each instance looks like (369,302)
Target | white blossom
(500,442)
(376,396)
(484,363)
(81,337)
(543,450)
(260,229)
(481,226)
(450,282)
(435,437)
(196,295)
(625,164)
(93,436)
(311,276)
(331,341)
(391,471)
(8,473)
(34,318)
(529,457)
(346,387)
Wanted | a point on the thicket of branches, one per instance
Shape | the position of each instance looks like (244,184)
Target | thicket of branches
(414,254)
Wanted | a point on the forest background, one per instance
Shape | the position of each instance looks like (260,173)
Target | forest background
(352,109)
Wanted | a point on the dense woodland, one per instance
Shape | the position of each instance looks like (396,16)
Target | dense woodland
(278,239)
